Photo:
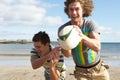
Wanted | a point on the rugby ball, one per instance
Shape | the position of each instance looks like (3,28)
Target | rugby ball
(68,37)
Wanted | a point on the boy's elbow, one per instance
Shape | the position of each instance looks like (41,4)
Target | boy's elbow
(98,48)
(34,67)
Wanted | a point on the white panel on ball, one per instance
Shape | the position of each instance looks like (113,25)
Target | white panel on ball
(69,37)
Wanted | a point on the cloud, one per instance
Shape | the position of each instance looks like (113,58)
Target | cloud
(13,35)
(14,32)
(105,29)
(26,13)
(52,21)
(109,35)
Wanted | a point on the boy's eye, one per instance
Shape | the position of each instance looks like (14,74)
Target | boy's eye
(76,9)
(37,46)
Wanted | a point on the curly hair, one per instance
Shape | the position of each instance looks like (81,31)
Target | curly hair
(87,6)
(41,36)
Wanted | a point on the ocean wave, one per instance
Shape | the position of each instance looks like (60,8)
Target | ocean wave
(113,57)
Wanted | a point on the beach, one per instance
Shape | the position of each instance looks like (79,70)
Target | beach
(27,73)
(19,68)
(15,62)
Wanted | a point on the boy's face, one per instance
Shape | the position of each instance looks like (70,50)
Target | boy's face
(75,11)
(41,48)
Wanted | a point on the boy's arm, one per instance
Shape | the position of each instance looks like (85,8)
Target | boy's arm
(66,53)
(38,62)
(54,72)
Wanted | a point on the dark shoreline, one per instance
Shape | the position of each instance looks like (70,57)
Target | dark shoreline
(13,42)
(20,42)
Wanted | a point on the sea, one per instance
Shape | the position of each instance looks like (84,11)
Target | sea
(110,53)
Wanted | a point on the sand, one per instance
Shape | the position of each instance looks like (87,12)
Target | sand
(27,73)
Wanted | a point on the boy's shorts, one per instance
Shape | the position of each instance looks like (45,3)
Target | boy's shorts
(98,72)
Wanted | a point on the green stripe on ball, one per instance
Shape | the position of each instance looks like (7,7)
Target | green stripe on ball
(64,37)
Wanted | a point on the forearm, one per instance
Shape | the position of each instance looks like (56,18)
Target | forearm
(92,43)
(66,53)
(36,63)
(54,74)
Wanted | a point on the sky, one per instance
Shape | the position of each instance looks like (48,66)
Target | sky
(21,19)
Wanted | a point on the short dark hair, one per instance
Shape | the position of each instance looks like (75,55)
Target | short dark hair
(41,36)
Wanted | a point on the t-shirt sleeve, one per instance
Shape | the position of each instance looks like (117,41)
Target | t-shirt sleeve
(34,53)
(93,27)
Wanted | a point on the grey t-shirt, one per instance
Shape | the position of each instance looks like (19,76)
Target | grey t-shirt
(83,55)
